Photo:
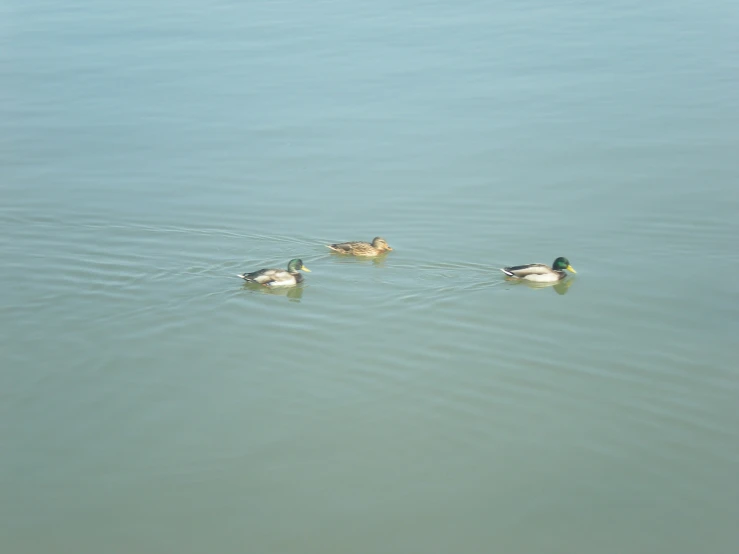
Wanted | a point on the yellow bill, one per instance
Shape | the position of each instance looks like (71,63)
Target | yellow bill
(572,269)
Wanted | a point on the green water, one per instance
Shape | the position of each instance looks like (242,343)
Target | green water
(151,403)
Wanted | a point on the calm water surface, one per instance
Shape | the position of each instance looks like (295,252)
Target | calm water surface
(418,403)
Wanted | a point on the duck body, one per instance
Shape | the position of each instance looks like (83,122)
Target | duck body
(377,247)
(277,277)
(540,273)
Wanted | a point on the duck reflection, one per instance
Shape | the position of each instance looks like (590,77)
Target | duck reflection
(560,287)
(293,294)
(377,261)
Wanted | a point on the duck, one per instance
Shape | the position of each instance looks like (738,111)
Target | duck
(377,247)
(540,273)
(277,277)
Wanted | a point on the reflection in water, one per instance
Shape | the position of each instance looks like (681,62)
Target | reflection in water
(378,261)
(294,294)
(563,286)
(560,287)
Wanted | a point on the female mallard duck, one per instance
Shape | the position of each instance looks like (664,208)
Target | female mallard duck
(540,273)
(277,277)
(377,247)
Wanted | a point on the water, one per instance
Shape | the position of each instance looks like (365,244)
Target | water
(151,403)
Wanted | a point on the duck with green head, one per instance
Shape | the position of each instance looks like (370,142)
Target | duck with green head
(277,277)
(540,273)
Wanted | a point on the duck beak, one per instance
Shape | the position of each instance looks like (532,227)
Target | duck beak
(305,269)
(389,248)
(570,268)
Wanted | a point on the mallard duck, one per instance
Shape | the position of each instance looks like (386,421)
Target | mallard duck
(540,273)
(377,247)
(277,277)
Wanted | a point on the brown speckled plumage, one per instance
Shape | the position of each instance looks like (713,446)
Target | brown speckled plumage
(377,247)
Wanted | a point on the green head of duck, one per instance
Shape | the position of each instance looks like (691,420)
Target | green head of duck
(562,263)
(296,265)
